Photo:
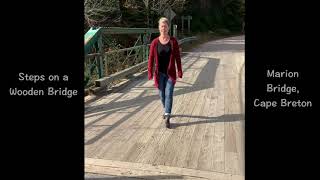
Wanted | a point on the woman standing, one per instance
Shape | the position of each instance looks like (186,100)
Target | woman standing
(165,51)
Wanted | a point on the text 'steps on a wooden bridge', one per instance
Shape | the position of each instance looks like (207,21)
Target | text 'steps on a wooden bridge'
(33,89)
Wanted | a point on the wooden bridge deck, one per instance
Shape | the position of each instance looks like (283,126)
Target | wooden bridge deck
(125,135)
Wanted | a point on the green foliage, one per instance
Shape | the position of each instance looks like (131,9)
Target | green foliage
(197,24)
(222,31)
(234,15)
(207,14)
(216,14)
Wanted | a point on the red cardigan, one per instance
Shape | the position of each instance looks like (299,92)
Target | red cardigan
(174,57)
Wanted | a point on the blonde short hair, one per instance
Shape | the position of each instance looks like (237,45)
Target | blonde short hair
(164,19)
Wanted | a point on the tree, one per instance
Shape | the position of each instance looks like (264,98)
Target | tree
(160,5)
(102,12)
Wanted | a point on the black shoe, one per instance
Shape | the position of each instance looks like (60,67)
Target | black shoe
(168,122)
(165,115)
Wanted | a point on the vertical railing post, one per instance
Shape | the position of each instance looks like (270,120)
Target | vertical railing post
(101,51)
(106,70)
(175,30)
(145,47)
(147,52)
(189,19)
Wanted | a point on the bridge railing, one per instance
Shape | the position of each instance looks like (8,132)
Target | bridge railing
(104,68)
(100,62)
(188,39)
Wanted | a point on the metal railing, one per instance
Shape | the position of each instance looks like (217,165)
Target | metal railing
(99,64)
(103,68)
(188,39)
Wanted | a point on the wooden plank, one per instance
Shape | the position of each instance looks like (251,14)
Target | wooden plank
(173,153)
(145,143)
(232,156)
(192,157)
(222,145)
(234,148)
(232,98)
(195,154)
(172,145)
(205,156)
(140,141)
(232,163)
(237,177)
(197,139)
(214,101)
(180,160)
(148,153)
(123,132)
(114,97)
(113,134)
(105,80)
(99,146)
(240,134)
(133,132)
(94,106)
(212,112)
(230,139)
(212,146)
(218,141)
(137,153)
(235,157)
(162,135)
(110,98)
(159,153)
(144,170)
(155,106)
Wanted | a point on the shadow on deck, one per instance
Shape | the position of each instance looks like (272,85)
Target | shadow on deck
(205,80)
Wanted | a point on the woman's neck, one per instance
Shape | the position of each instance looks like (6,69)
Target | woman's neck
(164,36)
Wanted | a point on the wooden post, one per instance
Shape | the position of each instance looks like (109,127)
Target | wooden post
(182,19)
(188,24)
(175,30)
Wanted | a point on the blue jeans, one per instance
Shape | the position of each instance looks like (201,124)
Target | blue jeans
(166,92)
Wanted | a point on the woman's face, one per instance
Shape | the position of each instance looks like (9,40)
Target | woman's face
(163,28)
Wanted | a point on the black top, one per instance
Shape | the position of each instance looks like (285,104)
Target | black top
(164,51)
